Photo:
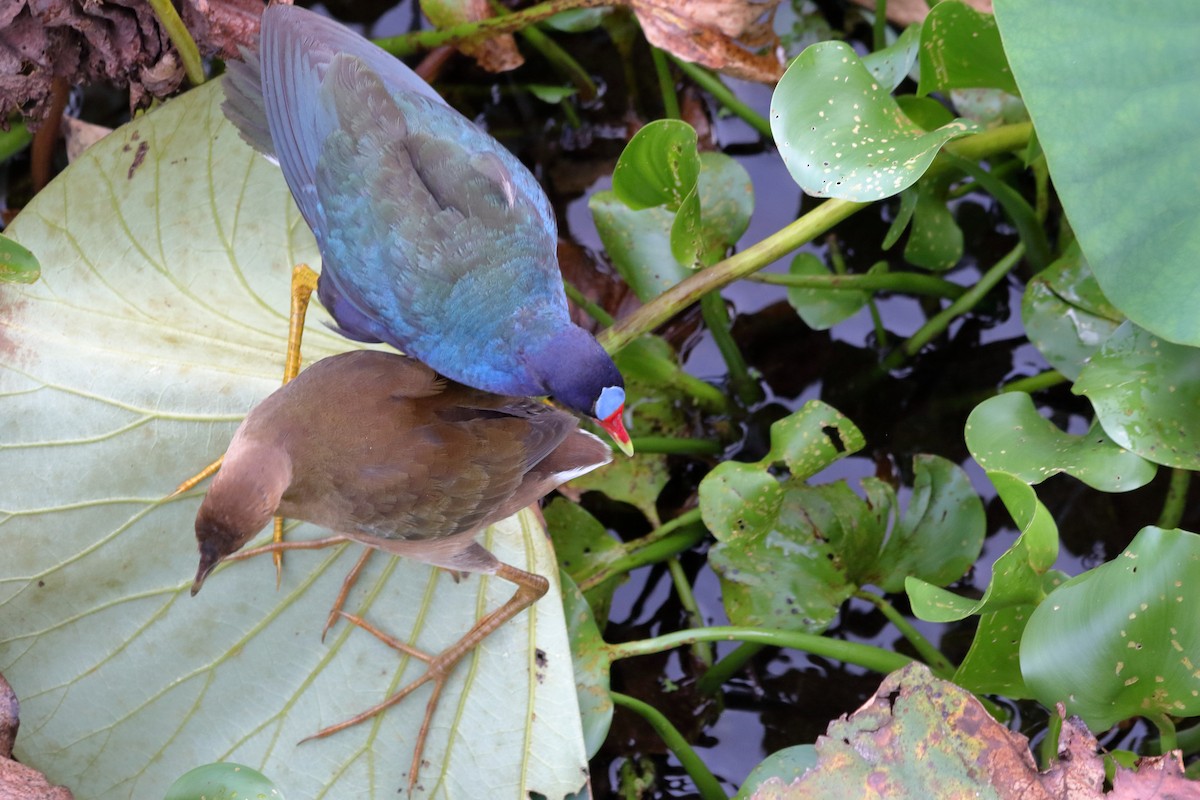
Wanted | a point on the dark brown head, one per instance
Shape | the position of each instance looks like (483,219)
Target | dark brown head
(241,502)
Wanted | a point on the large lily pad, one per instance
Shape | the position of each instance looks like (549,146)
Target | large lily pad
(1112,94)
(159,320)
(1126,631)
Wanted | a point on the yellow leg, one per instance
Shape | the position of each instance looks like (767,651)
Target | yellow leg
(304,283)
(530,588)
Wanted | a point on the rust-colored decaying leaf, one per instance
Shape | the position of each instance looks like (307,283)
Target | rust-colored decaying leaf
(905,12)
(924,737)
(733,36)
(17,781)
(496,54)
(117,42)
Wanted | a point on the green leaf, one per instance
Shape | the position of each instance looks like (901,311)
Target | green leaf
(1112,96)
(549,93)
(641,243)
(1065,314)
(960,49)
(157,323)
(892,64)
(821,309)
(1146,392)
(941,533)
(592,662)
(659,166)
(223,781)
(935,241)
(993,662)
(840,132)
(1016,575)
(17,265)
(1125,631)
(1006,433)
(810,439)
(581,543)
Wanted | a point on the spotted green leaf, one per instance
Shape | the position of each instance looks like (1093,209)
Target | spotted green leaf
(1146,392)
(1065,314)
(1007,433)
(840,132)
(935,242)
(1126,631)
(961,49)
(17,265)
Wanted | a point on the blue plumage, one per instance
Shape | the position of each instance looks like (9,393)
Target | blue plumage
(434,238)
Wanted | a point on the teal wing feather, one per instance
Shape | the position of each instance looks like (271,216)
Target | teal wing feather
(436,232)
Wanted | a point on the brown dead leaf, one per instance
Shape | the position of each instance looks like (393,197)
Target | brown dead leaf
(116,42)
(1160,777)
(496,54)
(724,35)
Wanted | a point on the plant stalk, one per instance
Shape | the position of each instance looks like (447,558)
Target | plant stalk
(706,783)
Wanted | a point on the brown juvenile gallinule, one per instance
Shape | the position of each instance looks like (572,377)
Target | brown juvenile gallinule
(379,449)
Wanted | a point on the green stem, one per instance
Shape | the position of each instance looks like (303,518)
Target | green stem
(938,323)
(736,267)
(687,599)
(592,309)
(716,319)
(873,658)
(676,446)
(940,665)
(727,667)
(722,94)
(1176,499)
(189,54)
(879,28)
(662,371)
(907,282)
(1035,383)
(669,539)
(558,58)
(784,241)
(1187,740)
(666,84)
(1050,740)
(465,32)
(1017,207)
(706,783)
(1167,741)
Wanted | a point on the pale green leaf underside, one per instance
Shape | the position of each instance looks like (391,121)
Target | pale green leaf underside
(159,320)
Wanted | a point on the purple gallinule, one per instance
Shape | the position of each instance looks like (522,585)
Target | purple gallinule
(433,237)
(379,449)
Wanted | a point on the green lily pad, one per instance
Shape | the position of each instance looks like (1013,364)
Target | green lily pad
(840,132)
(1146,392)
(639,242)
(1017,575)
(783,766)
(160,318)
(1126,631)
(223,781)
(789,554)
(1007,433)
(961,49)
(17,265)
(1065,314)
(1113,96)
(821,309)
